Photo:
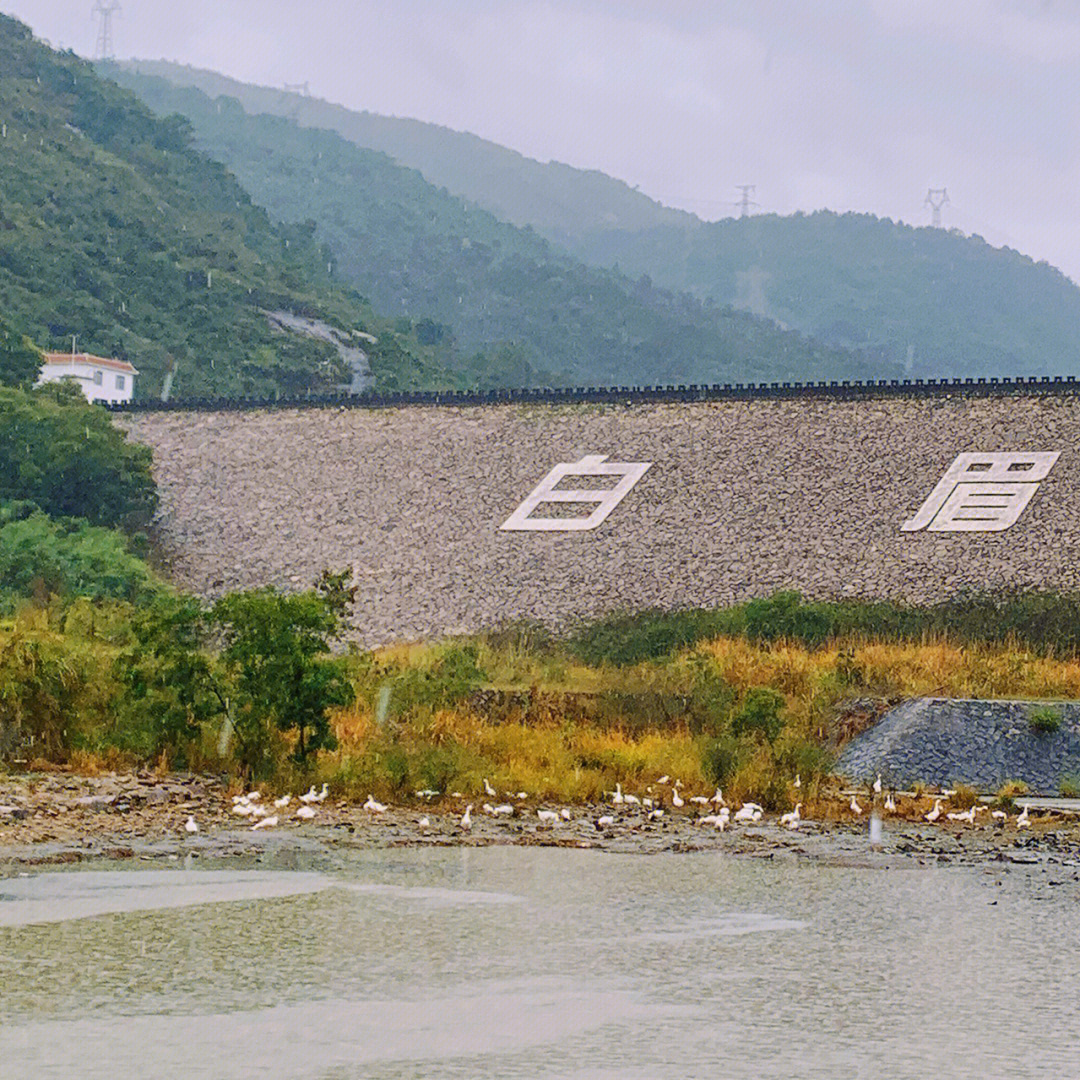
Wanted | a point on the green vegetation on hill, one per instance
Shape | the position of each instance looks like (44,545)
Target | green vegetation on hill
(938,302)
(555,199)
(115,231)
(929,302)
(518,309)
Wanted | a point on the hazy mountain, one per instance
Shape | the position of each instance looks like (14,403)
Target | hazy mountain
(938,301)
(479,284)
(115,231)
(558,201)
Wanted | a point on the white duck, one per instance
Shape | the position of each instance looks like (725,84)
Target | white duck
(890,803)
(617,797)
(935,813)
(1022,821)
(305,813)
(266,822)
(605,821)
(854,806)
(466,818)
(191,825)
(749,812)
(283,801)
(676,800)
(489,791)
(548,817)
(792,819)
(718,798)
(877,785)
(374,806)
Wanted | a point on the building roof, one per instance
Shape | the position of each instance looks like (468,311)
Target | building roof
(70,359)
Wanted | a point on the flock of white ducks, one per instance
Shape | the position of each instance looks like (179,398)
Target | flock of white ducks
(650,804)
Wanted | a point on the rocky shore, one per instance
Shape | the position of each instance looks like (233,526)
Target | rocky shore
(59,818)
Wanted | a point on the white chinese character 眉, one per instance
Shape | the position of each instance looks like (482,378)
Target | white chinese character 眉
(982,492)
(606,499)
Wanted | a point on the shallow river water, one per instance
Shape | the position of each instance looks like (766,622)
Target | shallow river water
(528,962)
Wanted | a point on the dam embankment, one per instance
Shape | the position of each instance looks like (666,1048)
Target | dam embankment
(740,498)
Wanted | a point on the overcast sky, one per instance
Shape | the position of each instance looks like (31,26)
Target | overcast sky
(845,104)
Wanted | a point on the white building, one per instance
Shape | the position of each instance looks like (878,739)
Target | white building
(99,379)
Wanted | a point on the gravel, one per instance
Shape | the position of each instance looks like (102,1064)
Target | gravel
(980,743)
(743,498)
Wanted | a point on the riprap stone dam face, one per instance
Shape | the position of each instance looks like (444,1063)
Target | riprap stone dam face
(904,499)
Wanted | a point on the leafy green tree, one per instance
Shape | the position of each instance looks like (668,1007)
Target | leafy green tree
(170,685)
(275,659)
(20,358)
(65,455)
(257,662)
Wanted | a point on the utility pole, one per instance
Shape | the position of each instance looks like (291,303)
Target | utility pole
(936,198)
(104,10)
(745,202)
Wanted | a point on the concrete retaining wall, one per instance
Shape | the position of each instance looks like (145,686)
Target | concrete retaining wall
(742,498)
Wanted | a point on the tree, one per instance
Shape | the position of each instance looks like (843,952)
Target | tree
(20,358)
(66,456)
(275,657)
(257,662)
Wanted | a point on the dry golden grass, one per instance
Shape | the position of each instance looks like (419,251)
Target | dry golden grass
(564,758)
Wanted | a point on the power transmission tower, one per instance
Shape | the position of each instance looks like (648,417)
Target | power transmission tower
(936,198)
(104,10)
(745,202)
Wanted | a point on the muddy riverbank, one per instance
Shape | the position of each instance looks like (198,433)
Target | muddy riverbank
(60,818)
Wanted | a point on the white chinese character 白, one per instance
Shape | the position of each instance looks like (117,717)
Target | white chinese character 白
(606,499)
(982,492)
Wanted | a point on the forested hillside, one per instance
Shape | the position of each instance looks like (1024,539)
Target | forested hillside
(558,201)
(515,307)
(937,301)
(116,232)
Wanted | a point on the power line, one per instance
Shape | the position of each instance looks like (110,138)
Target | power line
(103,50)
(936,198)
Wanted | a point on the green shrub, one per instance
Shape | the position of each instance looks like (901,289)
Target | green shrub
(452,675)
(40,557)
(55,692)
(1069,787)
(760,714)
(627,638)
(722,758)
(1044,720)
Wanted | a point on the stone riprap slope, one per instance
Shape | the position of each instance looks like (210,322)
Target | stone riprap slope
(741,499)
(981,743)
